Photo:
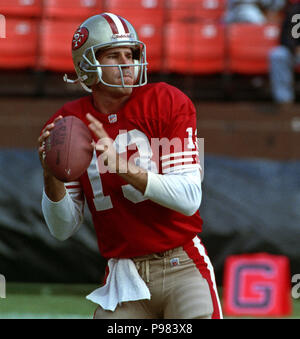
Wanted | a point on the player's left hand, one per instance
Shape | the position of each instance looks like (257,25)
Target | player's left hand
(105,145)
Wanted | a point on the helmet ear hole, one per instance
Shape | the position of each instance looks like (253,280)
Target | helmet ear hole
(83,66)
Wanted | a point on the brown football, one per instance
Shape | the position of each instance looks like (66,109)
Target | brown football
(68,149)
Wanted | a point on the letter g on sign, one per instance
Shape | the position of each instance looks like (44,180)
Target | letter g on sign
(254,286)
(257,284)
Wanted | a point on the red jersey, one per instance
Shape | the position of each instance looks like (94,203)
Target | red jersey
(157,130)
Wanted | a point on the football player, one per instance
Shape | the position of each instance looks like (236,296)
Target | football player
(143,185)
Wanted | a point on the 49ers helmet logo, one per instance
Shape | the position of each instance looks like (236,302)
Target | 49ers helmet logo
(80,37)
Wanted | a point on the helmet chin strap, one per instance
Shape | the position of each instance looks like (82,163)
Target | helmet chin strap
(84,86)
(70,81)
(83,78)
(75,81)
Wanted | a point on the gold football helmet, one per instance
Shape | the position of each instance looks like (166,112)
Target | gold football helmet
(100,32)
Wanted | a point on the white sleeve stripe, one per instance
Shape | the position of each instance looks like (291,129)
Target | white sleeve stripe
(171,162)
(74,190)
(72,183)
(179,168)
(164,157)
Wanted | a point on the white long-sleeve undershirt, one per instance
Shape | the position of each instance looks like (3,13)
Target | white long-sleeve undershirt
(179,191)
(63,217)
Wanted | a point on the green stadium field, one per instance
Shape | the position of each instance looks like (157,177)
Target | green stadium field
(47,301)
(58,301)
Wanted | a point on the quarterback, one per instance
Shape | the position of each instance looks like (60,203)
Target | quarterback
(144,200)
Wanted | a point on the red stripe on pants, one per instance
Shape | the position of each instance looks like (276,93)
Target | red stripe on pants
(199,260)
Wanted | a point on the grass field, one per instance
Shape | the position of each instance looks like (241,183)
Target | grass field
(47,301)
(58,301)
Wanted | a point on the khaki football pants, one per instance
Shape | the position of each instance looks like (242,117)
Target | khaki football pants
(182,286)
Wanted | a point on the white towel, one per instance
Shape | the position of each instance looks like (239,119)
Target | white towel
(123,283)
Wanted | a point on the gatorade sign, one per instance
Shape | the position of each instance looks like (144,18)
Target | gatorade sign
(257,284)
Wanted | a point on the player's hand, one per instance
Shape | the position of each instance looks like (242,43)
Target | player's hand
(105,145)
(42,139)
(134,175)
(54,188)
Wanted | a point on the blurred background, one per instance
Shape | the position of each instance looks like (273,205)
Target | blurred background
(237,61)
